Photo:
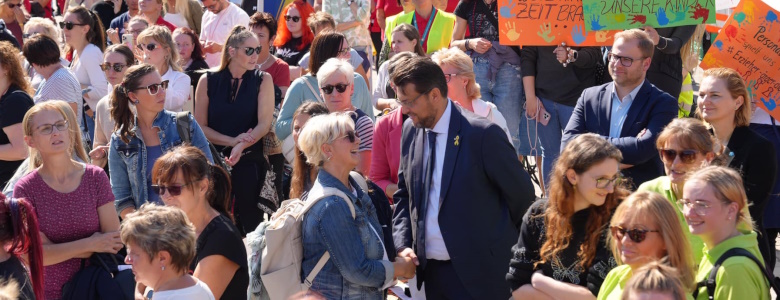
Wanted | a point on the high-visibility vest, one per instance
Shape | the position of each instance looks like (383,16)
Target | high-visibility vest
(685,101)
(439,35)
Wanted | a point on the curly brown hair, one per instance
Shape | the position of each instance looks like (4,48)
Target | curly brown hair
(9,59)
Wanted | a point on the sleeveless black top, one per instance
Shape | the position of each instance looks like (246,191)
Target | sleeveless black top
(231,111)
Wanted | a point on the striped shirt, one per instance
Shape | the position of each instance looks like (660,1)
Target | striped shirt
(364,129)
(61,85)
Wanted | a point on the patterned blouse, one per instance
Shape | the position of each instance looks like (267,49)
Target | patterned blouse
(357,36)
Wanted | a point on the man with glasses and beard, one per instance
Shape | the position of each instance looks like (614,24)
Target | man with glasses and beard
(630,112)
(219,18)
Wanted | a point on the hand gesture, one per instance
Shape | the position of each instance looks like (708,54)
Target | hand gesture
(562,53)
(100,152)
(235,154)
(480,45)
(108,242)
(245,137)
(404,267)
(653,34)
(113,36)
(408,252)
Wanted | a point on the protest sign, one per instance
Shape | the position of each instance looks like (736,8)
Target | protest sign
(627,14)
(547,22)
(750,44)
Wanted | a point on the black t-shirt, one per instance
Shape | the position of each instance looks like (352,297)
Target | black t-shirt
(12,269)
(221,237)
(192,71)
(289,52)
(13,105)
(475,12)
(105,12)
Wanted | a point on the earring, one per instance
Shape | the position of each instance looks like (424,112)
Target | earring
(163,268)
(329,157)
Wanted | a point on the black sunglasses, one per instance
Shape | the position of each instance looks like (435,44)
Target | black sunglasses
(11,5)
(341,87)
(636,235)
(69,25)
(149,47)
(686,156)
(117,67)
(351,136)
(174,190)
(249,50)
(155,88)
(293,18)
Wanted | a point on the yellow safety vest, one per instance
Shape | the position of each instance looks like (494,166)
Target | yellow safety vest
(439,35)
(685,101)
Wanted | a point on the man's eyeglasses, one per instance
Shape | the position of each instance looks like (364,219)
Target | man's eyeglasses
(117,67)
(155,88)
(686,156)
(149,47)
(410,103)
(341,88)
(47,129)
(624,60)
(249,50)
(69,25)
(636,235)
(173,190)
(295,19)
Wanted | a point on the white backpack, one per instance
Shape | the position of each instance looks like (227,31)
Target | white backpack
(281,263)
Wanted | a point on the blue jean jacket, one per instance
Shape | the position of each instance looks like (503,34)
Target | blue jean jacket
(355,269)
(127,161)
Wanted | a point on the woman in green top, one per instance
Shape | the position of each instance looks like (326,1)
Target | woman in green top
(645,228)
(713,200)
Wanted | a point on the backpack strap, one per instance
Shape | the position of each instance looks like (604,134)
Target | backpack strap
(183,126)
(313,90)
(360,180)
(710,282)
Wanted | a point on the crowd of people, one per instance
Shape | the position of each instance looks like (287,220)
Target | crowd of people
(166,135)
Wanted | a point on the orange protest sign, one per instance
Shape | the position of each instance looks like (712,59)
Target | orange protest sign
(749,43)
(547,22)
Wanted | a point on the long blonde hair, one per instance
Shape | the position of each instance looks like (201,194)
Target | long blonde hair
(162,35)
(660,212)
(62,107)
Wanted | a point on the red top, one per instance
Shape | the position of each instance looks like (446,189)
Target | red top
(390,7)
(421,23)
(160,21)
(280,72)
(47,8)
(451,5)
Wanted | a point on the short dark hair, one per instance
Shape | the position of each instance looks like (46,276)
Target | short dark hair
(422,72)
(41,50)
(263,19)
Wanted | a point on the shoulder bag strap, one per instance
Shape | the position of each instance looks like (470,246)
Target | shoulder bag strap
(710,282)
(183,126)
(313,90)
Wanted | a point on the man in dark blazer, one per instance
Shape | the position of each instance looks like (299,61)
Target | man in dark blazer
(629,111)
(461,192)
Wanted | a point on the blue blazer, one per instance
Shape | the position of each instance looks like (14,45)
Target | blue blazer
(484,194)
(652,110)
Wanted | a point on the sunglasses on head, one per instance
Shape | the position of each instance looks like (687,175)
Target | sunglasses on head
(351,136)
(686,156)
(636,235)
(149,47)
(155,88)
(341,87)
(174,190)
(249,50)
(117,67)
(293,18)
(69,25)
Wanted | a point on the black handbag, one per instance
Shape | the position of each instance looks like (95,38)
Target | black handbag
(102,279)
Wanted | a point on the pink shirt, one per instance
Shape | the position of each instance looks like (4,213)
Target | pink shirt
(65,217)
(386,152)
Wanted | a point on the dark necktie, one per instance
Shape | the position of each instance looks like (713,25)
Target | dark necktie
(427,182)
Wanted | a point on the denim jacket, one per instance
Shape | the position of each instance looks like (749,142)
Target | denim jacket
(127,161)
(356,269)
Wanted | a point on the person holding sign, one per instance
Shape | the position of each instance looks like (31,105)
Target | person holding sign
(666,67)
(629,112)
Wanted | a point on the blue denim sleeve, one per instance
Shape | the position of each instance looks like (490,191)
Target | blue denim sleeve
(120,179)
(339,233)
(198,139)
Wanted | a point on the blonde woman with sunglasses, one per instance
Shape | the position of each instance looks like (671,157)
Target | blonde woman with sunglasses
(158,49)
(115,63)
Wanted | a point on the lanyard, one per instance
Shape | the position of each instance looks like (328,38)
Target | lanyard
(424,39)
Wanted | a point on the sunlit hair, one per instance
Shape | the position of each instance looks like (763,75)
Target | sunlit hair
(736,87)
(655,277)
(335,66)
(411,34)
(689,133)
(319,19)
(9,60)
(9,290)
(320,130)
(19,233)
(50,29)
(197,50)
(238,35)
(74,133)
(580,155)
(154,228)
(302,169)
(643,39)
(728,188)
(662,216)
(463,65)
(194,167)
(283,35)
(123,50)
(120,100)
(96,34)
(162,36)
(399,58)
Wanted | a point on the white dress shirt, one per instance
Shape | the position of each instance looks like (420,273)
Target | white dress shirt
(434,242)
(216,28)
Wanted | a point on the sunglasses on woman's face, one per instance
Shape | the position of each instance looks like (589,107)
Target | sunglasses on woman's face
(249,50)
(636,235)
(117,67)
(686,156)
(11,5)
(174,190)
(295,19)
(69,25)
(341,87)
(149,47)
(351,136)
(155,88)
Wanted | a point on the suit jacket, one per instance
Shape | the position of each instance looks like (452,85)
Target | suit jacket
(386,151)
(754,158)
(651,110)
(484,194)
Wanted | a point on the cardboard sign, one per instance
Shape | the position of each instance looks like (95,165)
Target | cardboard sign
(547,22)
(750,44)
(627,14)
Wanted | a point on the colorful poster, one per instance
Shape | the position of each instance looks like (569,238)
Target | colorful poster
(750,43)
(627,14)
(547,22)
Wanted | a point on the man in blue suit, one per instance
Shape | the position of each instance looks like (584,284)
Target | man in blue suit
(461,191)
(630,112)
